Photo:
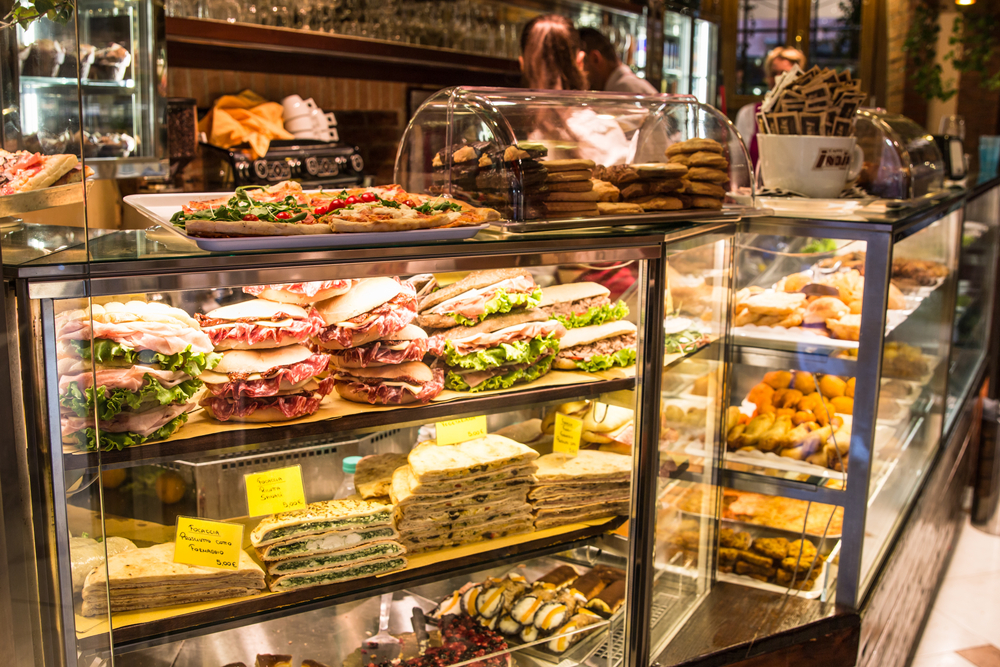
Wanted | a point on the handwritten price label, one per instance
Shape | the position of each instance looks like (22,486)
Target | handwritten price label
(208,543)
(460,430)
(567,435)
(274,491)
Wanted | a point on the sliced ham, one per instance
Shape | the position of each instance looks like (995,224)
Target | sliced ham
(275,381)
(131,378)
(308,289)
(295,405)
(139,335)
(481,341)
(383,394)
(141,423)
(605,346)
(567,308)
(383,352)
(472,304)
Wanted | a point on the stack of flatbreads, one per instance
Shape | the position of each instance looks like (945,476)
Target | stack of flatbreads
(451,495)
(591,485)
(328,542)
(148,578)
(571,193)
(707,171)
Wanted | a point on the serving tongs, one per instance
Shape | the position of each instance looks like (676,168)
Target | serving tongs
(383,647)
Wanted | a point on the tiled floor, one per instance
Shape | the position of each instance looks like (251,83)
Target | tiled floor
(964,627)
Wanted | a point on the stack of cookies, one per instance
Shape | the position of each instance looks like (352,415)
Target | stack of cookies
(654,186)
(464,160)
(707,171)
(570,192)
(512,179)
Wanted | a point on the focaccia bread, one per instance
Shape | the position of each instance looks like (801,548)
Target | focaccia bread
(330,515)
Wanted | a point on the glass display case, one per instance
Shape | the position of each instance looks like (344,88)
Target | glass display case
(902,161)
(555,156)
(108,62)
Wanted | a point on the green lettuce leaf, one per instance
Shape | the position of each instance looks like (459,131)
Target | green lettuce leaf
(109,353)
(516,352)
(503,303)
(81,403)
(455,382)
(602,362)
(595,315)
(87,438)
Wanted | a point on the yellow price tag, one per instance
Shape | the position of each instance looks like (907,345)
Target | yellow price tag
(567,435)
(274,491)
(208,543)
(460,430)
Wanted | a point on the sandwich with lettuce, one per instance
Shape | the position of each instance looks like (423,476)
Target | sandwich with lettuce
(581,305)
(499,352)
(477,296)
(597,348)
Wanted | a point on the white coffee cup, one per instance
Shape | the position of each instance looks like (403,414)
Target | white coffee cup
(294,107)
(299,124)
(817,167)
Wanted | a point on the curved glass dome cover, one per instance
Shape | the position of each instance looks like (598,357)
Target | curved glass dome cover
(491,146)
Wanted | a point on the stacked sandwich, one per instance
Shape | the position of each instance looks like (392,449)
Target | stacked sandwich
(450,495)
(581,305)
(149,578)
(501,340)
(267,373)
(591,485)
(707,171)
(135,365)
(376,352)
(570,193)
(328,543)
(655,186)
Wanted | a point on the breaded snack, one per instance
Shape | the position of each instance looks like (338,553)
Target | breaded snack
(771,547)
(778,379)
(728,556)
(807,548)
(734,539)
(848,327)
(743,567)
(755,560)
(776,303)
(843,405)
(805,382)
(832,386)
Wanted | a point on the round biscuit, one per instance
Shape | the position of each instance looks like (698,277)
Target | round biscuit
(680,158)
(589,213)
(703,189)
(706,159)
(571,186)
(562,206)
(587,196)
(706,174)
(619,208)
(568,165)
(694,146)
(659,203)
(660,170)
(706,202)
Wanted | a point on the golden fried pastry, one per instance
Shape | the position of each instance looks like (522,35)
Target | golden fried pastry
(794,282)
(734,539)
(727,556)
(849,389)
(788,398)
(848,327)
(843,405)
(619,208)
(776,436)
(755,560)
(825,308)
(778,379)
(776,303)
(742,567)
(804,382)
(805,547)
(771,547)
(831,386)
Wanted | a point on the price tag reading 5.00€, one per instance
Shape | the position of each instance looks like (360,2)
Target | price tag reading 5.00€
(208,543)
(460,430)
(274,491)
(567,435)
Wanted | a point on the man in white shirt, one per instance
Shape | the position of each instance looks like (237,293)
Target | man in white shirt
(605,71)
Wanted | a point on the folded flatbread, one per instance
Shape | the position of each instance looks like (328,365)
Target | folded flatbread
(404,499)
(467,519)
(431,462)
(510,476)
(548,518)
(336,575)
(322,517)
(373,475)
(502,528)
(355,556)
(580,489)
(588,465)
(323,543)
(99,607)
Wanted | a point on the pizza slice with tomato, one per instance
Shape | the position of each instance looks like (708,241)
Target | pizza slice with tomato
(390,208)
(22,171)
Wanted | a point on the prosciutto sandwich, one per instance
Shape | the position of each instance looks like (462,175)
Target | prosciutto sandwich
(276,384)
(499,352)
(407,344)
(581,305)
(395,384)
(301,294)
(135,366)
(374,308)
(598,348)
(259,324)
(478,295)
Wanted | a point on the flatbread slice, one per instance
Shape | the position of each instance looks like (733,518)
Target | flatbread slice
(394,224)
(336,575)
(98,606)
(417,544)
(355,556)
(514,513)
(373,474)
(322,517)
(228,229)
(325,542)
(429,461)
(587,465)
(508,477)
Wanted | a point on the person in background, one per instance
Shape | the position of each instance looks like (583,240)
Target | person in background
(778,61)
(605,71)
(551,55)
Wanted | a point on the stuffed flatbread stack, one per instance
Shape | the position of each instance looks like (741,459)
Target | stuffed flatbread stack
(373,474)
(591,485)
(147,578)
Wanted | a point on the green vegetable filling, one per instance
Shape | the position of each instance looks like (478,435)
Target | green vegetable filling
(87,438)
(112,402)
(314,526)
(303,546)
(347,573)
(456,382)
(502,302)
(515,352)
(109,353)
(387,549)
(595,315)
(602,362)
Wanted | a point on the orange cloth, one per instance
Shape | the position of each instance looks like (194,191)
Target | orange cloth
(247,117)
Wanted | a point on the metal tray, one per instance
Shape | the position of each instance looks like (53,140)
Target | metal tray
(160,208)
(728,213)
